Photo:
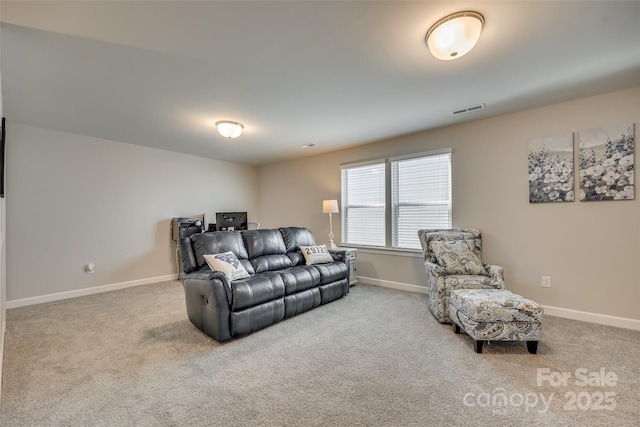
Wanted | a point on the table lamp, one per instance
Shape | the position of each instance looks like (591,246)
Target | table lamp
(330,207)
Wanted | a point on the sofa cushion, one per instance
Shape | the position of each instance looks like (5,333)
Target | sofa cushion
(447,235)
(270,263)
(252,319)
(316,254)
(299,278)
(263,242)
(294,237)
(458,257)
(256,290)
(331,272)
(266,250)
(227,263)
(296,258)
(219,242)
(468,281)
(301,302)
(495,305)
(333,291)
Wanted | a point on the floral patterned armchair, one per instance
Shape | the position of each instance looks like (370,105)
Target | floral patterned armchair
(453,260)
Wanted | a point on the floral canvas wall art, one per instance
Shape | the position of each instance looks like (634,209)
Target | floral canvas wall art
(606,163)
(551,176)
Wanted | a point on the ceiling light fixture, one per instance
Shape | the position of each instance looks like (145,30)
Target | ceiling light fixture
(455,35)
(229,129)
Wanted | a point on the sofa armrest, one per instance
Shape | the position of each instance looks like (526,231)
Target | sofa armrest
(339,255)
(496,273)
(436,289)
(187,257)
(434,270)
(207,296)
(435,278)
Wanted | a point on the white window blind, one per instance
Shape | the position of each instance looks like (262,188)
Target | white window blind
(420,197)
(363,204)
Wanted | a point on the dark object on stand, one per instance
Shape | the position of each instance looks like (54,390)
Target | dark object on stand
(185,227)
(229,221)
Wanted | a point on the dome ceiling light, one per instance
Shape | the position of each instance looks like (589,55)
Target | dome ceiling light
(455,35)
(229,129)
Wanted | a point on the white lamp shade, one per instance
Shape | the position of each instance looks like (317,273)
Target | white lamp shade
(329,206)
(229,129)
(455,35)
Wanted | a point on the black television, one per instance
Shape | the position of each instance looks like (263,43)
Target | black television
(227,221)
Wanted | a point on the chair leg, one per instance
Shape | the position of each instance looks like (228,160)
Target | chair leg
(532,346)
(456,328)
(477,346)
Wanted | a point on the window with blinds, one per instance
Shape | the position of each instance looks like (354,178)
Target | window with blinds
(420,196)
(363,204)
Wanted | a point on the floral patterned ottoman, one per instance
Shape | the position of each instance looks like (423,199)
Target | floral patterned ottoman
(496,315)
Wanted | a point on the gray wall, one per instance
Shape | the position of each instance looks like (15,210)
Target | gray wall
(3,263)
(590,249)
(74,200)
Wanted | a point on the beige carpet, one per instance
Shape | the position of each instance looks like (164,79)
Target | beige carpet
(374,358)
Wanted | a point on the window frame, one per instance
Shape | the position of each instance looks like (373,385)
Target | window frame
(395,205)
(345,206)
(390,242)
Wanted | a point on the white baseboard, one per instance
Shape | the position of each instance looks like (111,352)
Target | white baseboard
(601,319)
(393,285)
(1,358)
(87,291)
(585,316)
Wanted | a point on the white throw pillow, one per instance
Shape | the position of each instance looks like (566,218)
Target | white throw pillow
(316,254)
(227,263)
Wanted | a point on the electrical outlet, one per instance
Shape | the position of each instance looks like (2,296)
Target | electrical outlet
(546,281)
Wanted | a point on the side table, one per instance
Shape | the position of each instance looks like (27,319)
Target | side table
(351,263)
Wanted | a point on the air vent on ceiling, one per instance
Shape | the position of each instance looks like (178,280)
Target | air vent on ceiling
(468,109)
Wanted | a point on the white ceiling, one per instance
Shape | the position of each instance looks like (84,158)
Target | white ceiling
(330,73)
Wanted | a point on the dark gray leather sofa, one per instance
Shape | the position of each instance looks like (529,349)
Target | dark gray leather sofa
(280,285)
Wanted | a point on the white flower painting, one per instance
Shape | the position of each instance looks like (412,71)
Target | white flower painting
(606,163)
(551,169)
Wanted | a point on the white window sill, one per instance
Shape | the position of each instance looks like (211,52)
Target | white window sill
(413,253)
